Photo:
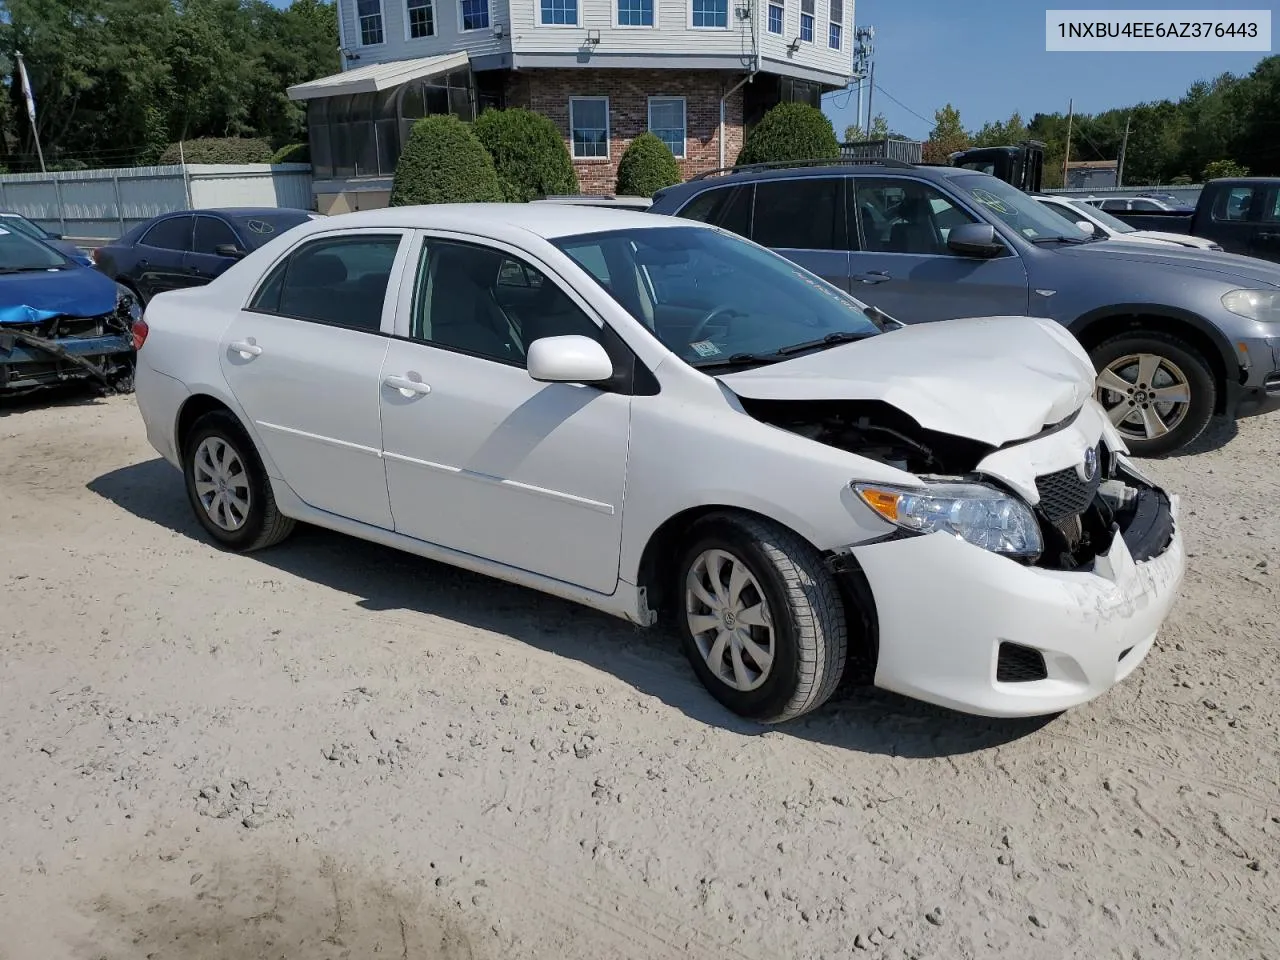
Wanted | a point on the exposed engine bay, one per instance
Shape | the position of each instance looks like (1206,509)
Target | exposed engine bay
(1078,517)
(42,353)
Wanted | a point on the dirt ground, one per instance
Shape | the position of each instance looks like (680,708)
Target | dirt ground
(331,750)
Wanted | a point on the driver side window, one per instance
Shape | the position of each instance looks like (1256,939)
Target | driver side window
(905,216)
(486,303)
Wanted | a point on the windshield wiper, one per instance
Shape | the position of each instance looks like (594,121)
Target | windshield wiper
(28,269)
(830,340)
(1062,240)
(738,360)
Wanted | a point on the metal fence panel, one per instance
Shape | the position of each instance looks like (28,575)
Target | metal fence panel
(98,205)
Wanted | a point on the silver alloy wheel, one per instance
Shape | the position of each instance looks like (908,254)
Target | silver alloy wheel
(729,619)
(1144,394)
(221,482)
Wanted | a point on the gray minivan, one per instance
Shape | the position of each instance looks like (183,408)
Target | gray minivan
(1176,335)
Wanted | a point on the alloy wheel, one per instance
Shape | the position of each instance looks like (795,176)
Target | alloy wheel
(222,484)
(729,620)
(1145,395)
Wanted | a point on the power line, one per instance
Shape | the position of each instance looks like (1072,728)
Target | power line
(903,105)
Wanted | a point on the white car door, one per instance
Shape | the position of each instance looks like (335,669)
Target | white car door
(482,459)
(303,360)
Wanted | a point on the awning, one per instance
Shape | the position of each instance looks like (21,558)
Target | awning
(378,76)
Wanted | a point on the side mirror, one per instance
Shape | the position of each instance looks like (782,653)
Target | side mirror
(569,359)
(1090,228)
(974,240)
(228,250)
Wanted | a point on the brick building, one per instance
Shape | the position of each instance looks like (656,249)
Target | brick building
(697,73)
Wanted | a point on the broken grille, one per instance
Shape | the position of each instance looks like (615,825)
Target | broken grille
(1065,493)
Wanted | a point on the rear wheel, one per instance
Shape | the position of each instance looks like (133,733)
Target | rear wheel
(228,487)
(760,617)
(1157,390)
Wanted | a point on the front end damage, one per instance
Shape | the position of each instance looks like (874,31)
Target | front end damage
(997,635)
(38,351)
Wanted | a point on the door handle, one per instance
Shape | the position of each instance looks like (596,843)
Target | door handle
(408,388)
(246,348)
(874,276)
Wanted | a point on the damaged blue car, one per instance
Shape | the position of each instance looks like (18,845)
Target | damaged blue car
(61,322)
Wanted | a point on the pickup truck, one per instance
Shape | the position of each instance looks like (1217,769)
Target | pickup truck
(1240,213)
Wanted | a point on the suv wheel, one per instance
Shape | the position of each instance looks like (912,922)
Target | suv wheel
(761,618)
(1157,389)
(228,488)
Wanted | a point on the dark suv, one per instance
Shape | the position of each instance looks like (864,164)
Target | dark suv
(1175,334)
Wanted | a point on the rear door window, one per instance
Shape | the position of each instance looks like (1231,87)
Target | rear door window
(173,233)
(806,213)
(340,281)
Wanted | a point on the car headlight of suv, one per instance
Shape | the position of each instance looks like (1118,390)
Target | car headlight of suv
(974,512)
(127,302)
(1261,305)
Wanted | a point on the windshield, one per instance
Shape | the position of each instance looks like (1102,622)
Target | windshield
(1021,212)
(714,298)
(20,253)
(264,227)
(23,225)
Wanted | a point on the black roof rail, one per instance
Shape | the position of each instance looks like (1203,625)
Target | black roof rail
(783,164)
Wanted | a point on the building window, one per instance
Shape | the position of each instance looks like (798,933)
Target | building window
(559,13)
(635,13)
(369,15)
(589,127)
(667,122)
(837,24)
(775,17)
(711,13)
(422,19)
(474,14)
(806,20)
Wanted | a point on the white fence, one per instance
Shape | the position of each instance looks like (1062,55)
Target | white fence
(103,204)
(1187,193)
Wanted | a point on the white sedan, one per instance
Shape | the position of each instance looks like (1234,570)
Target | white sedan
(660,419)
(1096,221)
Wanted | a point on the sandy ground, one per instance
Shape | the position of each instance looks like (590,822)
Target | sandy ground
(333,750)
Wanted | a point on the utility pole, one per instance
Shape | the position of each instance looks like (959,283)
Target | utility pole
(29,95)
(1124,151)
(871,92)
(864,45)
(1066,157)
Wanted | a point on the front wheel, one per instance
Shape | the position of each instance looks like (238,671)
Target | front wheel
(760,617)
(1157,390)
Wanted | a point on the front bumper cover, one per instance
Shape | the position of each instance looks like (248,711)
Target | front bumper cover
(944,607)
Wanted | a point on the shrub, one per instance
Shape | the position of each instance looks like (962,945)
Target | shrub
(528,154)
(218,150)
(1224,168)
(443,162)
(646,167)
(791,131)
(293,153)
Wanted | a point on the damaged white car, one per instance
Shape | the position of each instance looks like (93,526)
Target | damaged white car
(660,419)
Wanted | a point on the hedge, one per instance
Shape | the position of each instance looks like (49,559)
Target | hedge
(218,150)
(646,167)
(444,162)
(791,131)
(293,153)
(528,153)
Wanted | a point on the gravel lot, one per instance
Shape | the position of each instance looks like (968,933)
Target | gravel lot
(333,750)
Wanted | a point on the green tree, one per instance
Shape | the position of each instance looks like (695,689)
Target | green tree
(790,131)
(647,166)
(947,136)
(528,153)
(880,130)
(1224,168)
(444,162)
(999,134)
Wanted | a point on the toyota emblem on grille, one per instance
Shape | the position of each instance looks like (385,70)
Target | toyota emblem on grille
(1090,465)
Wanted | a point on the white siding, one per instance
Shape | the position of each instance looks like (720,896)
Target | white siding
(671,35)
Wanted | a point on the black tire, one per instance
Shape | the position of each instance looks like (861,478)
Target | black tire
(263,524)
(1186,359)
(806,613)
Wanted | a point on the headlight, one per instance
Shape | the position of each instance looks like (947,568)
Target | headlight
(1262,305)
(126,300)
(981,515)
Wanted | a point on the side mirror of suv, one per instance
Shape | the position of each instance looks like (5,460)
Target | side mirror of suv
(229,250)
(974,240)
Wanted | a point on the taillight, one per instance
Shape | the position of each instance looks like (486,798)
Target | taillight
(140,331)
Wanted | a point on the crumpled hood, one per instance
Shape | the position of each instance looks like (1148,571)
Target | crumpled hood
(76,292)
(1232,266)
(993,379)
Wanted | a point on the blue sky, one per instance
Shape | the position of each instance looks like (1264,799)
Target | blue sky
(987,58)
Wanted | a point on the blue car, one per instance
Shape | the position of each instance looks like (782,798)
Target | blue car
(20,224)
(60,321)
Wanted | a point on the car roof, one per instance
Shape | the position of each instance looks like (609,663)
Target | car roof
(923,171)
(546,220)
(236,211)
